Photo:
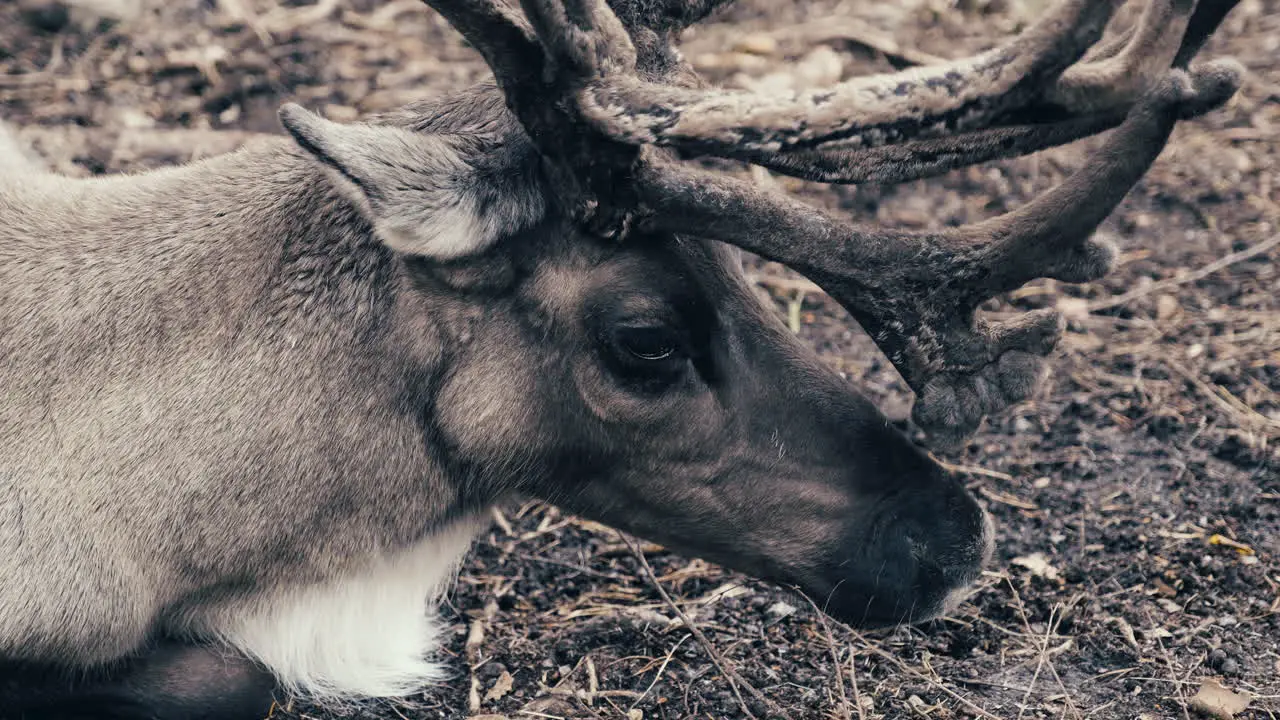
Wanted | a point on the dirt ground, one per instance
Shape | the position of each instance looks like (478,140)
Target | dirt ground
(1137,497)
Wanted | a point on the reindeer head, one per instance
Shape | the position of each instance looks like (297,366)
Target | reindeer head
(608,354)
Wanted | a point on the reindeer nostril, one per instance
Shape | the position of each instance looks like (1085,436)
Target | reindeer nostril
(916,562)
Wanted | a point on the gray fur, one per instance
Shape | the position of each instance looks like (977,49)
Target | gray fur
(214,380)
(264,370)
(197,371)
(422,191)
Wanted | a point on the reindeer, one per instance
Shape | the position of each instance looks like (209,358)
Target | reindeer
(256,407)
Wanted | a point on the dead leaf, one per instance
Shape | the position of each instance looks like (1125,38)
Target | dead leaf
(550,707)
(1164,588)
(500,688)
(1215,700)
(1233,544)
(1038,564)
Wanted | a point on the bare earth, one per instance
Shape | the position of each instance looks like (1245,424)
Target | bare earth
(1138,497)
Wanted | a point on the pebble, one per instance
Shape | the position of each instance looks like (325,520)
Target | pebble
(1166,307)
(781,610)
(1221,661)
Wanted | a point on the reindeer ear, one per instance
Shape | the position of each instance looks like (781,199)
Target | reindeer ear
(434,195)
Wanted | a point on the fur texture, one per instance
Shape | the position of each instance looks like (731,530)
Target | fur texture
(370,634)
(251,403)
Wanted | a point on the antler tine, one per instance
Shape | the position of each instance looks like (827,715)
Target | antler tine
(958,95)
(757,127)
(904,162)
(1208,16)
(1116,81)
(916,292)
(924,158)
(1102,89)
(532,68)
(583,36)
(1049,236)
(501,35)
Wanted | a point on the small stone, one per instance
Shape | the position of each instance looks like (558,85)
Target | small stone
(1038,564)
(1166,307)
(781,610)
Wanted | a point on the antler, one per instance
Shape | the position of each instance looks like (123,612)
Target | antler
(594,106)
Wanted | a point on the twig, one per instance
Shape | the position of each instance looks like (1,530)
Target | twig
(500,519)
(853,681)
(1223,397)
(241,12)
(880,652)
(974,470)
(474,644)
(661,669)
(1200,274)
(735,680)
(1173,674)
(568,566)
(1041,657)
(835,660)
(1005,499)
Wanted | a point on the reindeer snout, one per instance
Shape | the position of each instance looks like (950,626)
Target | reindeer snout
(917,560)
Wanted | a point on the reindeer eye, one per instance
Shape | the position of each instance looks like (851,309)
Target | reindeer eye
(652,344)
(650,357)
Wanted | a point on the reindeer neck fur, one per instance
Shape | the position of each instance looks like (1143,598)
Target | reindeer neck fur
(215,425)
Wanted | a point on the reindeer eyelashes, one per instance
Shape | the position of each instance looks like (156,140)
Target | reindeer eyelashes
(650,344)
(646,357)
